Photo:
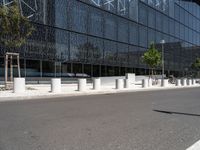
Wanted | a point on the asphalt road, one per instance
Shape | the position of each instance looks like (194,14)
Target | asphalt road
(156,120)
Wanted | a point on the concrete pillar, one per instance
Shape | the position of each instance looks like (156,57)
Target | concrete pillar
(145,83)
(126,83)
(159,82)
(56,85)
(178,82)
(165,83)
(150,82)
(119,84)
(82,84)
(197,81)
(184,82)
(96,83)
(189,82)
(19,85)
(193,81)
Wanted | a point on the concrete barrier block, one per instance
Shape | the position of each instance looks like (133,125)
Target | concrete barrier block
(131,77)
(19,85)
(56,85)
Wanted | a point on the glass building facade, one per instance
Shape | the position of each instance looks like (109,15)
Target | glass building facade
(107,37)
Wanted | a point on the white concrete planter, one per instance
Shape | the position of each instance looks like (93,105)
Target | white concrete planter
(56,85)
(150,82)
(82,84)
(119,83)
(145,83)
(19,85)
(126,83)
(97,84)
(178,82)
(165,83)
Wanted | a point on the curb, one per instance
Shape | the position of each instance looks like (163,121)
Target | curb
(50,96)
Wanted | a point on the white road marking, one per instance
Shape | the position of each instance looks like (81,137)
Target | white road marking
(195,146)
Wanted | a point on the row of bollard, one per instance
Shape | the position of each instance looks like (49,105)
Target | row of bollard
(164,83)
(185,82)
(82,84)
(122,83)
(19,84)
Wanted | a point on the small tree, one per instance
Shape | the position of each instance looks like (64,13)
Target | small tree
(14,31)
(14,28)
(196,65)
(152,57)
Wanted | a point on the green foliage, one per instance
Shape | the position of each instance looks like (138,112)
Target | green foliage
(196,65)
(152,57)
(14,28)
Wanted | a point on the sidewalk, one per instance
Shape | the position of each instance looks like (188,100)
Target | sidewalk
(44,91)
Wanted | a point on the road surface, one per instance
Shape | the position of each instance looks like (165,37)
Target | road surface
(155,120)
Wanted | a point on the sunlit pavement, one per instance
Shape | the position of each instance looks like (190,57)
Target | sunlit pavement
(150,120)
(38,91)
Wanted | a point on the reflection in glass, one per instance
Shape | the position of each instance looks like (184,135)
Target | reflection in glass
(48,69)
(33,68)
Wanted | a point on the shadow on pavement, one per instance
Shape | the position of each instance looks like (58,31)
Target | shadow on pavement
(178,113)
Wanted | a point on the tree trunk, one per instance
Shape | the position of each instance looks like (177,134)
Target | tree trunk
(149,73)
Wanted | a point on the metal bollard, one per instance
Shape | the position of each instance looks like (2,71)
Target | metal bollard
(19,85)
(82,85)
(119,84)
(56,85)
(96,83)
